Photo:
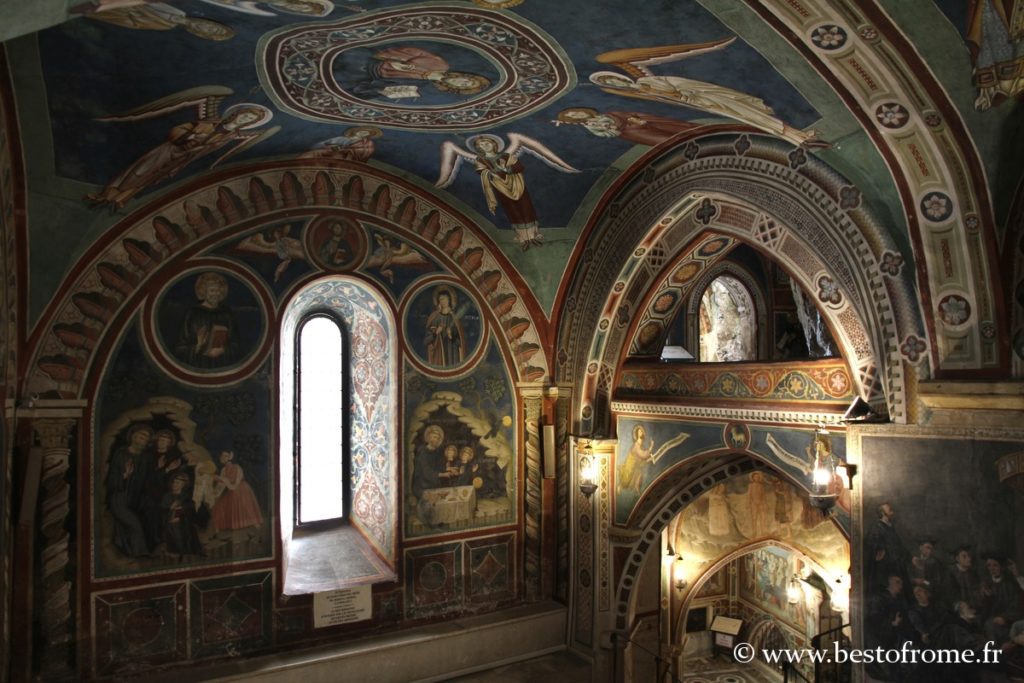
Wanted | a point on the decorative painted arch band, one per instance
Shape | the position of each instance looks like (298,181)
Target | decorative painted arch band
(662,302)
(742,186)
(689,275)
(871,63)
(130,257)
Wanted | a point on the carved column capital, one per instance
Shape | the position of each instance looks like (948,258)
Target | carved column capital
(53,433)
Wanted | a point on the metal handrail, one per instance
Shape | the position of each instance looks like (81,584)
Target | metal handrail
(658,659)
(787,669)
(816,640)
(835,667)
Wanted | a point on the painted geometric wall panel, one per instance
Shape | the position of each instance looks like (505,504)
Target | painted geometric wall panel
(490,569)
(231,615)
(140,629)
(433,583)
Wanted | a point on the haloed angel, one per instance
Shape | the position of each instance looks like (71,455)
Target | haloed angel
(278,242)
(187,142)
(501,177)
(709,97)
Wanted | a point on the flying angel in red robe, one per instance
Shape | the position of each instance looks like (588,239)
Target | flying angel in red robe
(641,83)
(501,177)
(187,142)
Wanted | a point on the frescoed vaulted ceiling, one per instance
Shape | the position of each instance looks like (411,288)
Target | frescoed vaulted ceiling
(123,102)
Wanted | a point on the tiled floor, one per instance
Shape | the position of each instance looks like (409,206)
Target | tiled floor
(717,670)
(560,667)
(565,667)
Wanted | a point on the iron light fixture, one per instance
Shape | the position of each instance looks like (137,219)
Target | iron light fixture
(588,471)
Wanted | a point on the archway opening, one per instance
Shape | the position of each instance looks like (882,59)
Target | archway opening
(749,548)
(728,325)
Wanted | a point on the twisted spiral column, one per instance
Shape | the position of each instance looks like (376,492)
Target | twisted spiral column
(54,436)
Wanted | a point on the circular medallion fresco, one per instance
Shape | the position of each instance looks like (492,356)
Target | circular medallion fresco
(209,322)
(433,576)
(142,626)
(437,67)
(336,243)
(443,327)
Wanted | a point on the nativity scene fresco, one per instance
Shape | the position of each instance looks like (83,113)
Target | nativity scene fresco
(460,452)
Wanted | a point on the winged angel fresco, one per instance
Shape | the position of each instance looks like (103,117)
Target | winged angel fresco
(501,177)
(314,8)
(715,99)
(187,142)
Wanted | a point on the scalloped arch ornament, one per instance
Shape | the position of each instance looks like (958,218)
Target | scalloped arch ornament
(112,281)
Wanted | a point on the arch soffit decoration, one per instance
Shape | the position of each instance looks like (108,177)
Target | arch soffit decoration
(688,295)
(110,281)
(806,217)
(662,302)
(885,83)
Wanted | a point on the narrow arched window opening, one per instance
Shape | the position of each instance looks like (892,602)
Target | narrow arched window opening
(728,323)
(338,439)
(320,443)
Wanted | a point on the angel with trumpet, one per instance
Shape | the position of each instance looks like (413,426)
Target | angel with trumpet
(501,177)
(187,142)
(642,83)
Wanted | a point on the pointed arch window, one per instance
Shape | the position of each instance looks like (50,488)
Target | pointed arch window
(321,446)
(728,323)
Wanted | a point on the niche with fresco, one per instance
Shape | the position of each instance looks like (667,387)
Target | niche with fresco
(182,476)
(460,450)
